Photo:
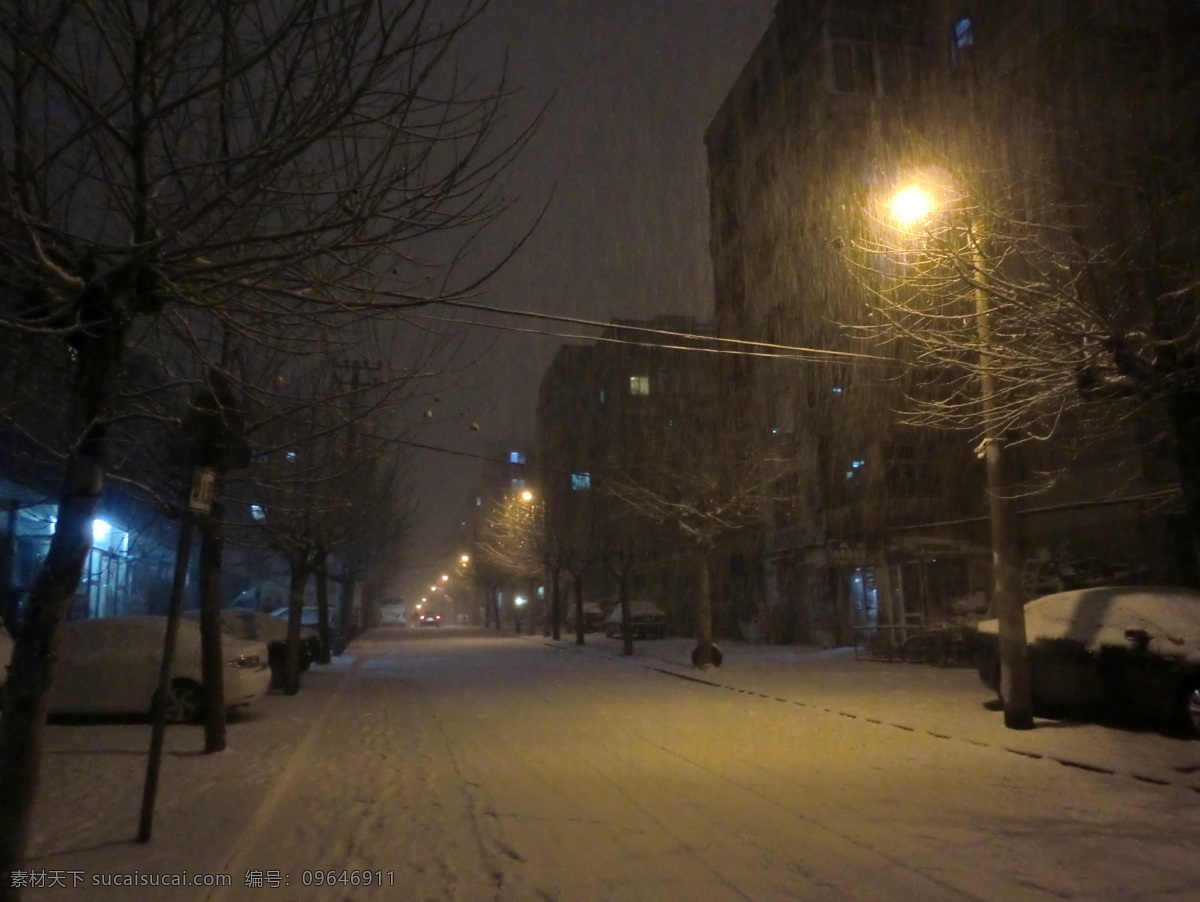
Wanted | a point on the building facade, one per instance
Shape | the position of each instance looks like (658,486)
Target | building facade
(887,529)
(628,428)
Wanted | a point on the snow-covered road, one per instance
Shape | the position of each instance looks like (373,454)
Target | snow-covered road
(457,765)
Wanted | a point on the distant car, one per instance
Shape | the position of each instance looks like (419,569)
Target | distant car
(1126,653)
(429,618)
(647,621)
(310,618)
(110,665)
(593,616)
(255,625)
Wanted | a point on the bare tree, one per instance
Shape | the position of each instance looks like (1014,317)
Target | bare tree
(705,477)
(278,168)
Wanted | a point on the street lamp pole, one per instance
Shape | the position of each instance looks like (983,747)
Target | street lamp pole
(1007,594)
(914,204)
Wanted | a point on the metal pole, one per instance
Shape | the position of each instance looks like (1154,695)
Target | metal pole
(153,764)
(1007,593)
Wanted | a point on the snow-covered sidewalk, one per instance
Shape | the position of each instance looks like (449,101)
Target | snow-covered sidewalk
(950,703)
(349,734)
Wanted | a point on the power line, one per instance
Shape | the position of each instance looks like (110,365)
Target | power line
(810,353)
(811,357)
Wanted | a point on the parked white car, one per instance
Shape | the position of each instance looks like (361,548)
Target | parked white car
(110,665)
(261,627)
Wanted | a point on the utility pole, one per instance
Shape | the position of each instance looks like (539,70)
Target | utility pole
(1007,594)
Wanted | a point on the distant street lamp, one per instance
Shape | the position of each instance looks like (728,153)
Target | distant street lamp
(910,206)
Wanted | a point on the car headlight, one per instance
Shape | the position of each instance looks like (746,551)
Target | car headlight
(247,662)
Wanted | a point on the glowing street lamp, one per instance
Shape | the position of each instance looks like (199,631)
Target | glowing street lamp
(912,205)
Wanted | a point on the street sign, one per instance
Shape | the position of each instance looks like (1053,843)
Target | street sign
(200,499)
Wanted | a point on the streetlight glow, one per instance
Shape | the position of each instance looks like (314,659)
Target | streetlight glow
(912,205)
(527,495)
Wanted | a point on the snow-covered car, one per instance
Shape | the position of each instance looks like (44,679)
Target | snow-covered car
(646,620)
(1129,653)
(430,618)
(593,616)
(110,665)
(261,627)
(310,619)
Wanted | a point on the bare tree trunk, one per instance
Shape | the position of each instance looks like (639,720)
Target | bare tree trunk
(555,602)
(212,542)
(1185,421)
(291,660)
(348,627)
(1009,598)
(31,670)
(577,591)
(704,631)
(319,561)
(623,596)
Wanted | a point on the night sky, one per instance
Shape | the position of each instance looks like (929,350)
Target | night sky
(620,157)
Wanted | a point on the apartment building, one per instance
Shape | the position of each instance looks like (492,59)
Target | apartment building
(638,407)
(888,527)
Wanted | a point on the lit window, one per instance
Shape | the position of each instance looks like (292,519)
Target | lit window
(581,482)
(257,512)
(517,484)
(516,457)
(962,37)
(639,385)
(602,398)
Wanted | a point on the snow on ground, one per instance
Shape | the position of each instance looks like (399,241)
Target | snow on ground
(416,791)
